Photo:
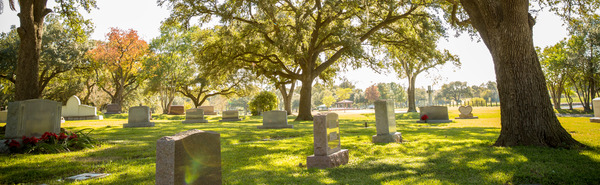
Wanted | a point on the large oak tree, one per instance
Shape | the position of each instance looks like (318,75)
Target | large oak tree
(31,16)
(279,36)
(506,28)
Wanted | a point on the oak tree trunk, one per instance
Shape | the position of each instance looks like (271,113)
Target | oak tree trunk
(304,109)
(556,90)
(527,117)
(30,32)
(287,96)
(411,94)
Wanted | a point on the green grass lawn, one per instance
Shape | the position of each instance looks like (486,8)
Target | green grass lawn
(448,153)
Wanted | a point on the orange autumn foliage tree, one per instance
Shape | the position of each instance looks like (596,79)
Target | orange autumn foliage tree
(118,63)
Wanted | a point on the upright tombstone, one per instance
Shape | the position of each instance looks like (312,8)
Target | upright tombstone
(275,119)
(194,116)
(596,104)
(435,114)
(466,113)
(208,110)
(113,108)
(190,157)
(139,116)
(327,146)
(74,110)
(32,118)
(385,121)
(230,115)
(3,116)
(176,110)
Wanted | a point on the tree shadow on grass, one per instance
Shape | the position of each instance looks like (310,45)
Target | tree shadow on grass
(464,156)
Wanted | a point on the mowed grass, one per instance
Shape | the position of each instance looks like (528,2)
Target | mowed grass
(449,153)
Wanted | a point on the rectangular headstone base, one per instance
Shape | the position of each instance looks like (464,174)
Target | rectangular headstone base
(275,126)
(329,161)
(474,117)
(595,119)
(435,121)
(100,117)
(228,120)
(388,138)
(147,124)
(195,121)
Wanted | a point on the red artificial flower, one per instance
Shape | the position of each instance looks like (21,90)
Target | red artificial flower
(14,143)
(62,136)
(73,136)
(424,117)
(34,140)
(49,135)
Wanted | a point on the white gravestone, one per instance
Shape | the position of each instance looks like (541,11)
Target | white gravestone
(596,104)
(3,116)
(74,110)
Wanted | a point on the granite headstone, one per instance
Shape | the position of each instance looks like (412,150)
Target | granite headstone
(32,118)
(385,121)
(327,146)
(274,120)
(194,116)
(190,157)
(139,116)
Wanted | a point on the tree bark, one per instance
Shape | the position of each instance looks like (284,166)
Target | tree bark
(411,94)
(527,117)
(556,90)
(304,109)
(30,32)
(287,97)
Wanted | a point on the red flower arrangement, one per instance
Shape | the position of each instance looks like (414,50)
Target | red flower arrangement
(62,136)
(51,143)
(424,117)
(13,143)
(73,136)
(49,135)
(32,140)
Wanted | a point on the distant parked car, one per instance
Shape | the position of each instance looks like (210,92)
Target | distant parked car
(371,107)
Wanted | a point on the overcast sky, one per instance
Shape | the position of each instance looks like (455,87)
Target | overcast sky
(477,67)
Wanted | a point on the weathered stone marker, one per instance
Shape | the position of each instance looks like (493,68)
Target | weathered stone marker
(208,110)
(327,146)
(176,110)
(596,104)
(74,110)
(139,116)
(113,109)
(466,113)
(190,157)
(32,118)
(194,116)
(436,114)
(385,121)
(274,120)
(230,115)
